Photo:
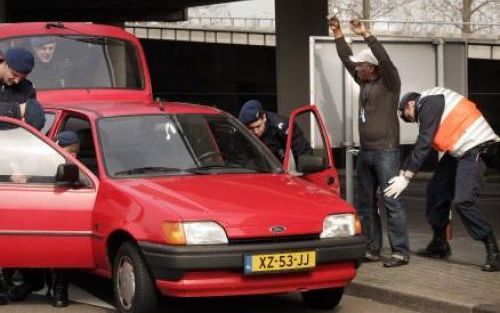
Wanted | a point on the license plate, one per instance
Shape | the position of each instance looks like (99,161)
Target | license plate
(279,262)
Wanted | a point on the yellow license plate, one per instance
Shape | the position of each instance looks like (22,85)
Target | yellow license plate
(278,262)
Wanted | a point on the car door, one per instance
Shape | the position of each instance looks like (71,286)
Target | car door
(315,165)
(43,223)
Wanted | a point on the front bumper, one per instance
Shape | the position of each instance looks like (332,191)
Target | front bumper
(170,263)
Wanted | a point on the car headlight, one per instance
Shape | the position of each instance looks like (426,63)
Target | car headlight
(340,225)
(194,233)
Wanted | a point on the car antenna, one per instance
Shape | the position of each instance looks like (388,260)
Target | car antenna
(58,24)
(160,103)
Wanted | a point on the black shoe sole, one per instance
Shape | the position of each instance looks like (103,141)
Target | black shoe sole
(444,255)
(389,265)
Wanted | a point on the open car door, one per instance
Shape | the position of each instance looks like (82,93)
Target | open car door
(315,164)
(47,201)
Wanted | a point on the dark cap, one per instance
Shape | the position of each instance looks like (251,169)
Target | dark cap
(409,96)
(20,60)
(250,111)
(34,114)
(67,138)
(41,41)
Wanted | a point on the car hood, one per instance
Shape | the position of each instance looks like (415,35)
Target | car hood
(243,204)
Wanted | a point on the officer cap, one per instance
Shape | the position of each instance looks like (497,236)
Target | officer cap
(67,138)
(250,111)
(409,96)
(41,41)
(20,60)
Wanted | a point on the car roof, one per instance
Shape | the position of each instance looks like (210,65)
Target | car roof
(110,109)
(8,30)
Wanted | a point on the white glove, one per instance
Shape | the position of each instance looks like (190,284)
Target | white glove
(396,186)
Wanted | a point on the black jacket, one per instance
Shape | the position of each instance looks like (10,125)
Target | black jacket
(18,93)
(12,96)
(429,110)
(276,133)
(379,98)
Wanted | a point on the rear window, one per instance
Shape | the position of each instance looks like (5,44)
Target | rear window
(81,62)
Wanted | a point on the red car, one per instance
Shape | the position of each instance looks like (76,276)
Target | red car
(172,199)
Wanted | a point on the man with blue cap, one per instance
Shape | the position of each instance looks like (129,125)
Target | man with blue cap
(17,94)
(14,67)
(272,129)
(18,100)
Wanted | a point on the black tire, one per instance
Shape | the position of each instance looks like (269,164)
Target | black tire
(128,265)
(323,299)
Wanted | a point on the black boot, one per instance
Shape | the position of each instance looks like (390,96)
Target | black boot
(437,248)
(60,286)
(492,254)
(4,285)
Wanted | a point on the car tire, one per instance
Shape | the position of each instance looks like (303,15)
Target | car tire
(133,286)
(323,299)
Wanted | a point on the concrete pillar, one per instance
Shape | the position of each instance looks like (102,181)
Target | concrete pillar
(296,20)
(3,14)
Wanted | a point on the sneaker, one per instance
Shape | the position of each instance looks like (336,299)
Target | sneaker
(371,256)
(396,260)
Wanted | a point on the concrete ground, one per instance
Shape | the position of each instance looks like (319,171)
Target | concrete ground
(425,285)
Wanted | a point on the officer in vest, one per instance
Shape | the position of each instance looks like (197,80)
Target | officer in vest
(453,125)
(272,129)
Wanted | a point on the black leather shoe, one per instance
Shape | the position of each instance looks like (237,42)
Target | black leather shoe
(60,302)
(3,299)
(371,256)
(437,248)
(60,288)
(60,299)
(19,293)
(395,261)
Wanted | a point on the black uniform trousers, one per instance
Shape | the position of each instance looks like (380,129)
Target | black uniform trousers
(458,181)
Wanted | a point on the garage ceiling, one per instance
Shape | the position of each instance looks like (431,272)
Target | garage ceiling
(99,11)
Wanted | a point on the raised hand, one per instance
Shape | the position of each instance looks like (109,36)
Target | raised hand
(358,27)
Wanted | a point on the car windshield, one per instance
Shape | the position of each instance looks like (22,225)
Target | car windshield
(80,62)
(181,144)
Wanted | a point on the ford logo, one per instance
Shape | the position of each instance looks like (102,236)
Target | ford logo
(277,229)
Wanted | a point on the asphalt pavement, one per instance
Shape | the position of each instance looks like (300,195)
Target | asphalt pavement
(429,285)
(425,285)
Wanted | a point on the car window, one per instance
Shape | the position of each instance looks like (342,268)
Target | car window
(87,154)
(25,158)
(81,61)
(180,144)
(49,121)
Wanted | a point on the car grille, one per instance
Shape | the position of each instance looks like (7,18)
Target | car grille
(274,239)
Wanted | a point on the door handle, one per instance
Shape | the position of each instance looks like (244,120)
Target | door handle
(330,180)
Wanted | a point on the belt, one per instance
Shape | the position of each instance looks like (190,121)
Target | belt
(479,149)
(483,146)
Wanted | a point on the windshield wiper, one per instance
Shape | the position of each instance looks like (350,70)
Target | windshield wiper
(227,168)
(148,170)
(99,41)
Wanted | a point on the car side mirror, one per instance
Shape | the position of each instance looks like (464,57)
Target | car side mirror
(308,163)
(68,174)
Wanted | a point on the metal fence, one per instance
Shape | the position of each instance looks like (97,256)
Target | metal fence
(379,27)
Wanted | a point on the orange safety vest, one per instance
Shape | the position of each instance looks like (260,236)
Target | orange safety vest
(462,125)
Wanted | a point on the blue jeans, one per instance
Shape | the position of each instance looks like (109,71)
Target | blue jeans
(374,169)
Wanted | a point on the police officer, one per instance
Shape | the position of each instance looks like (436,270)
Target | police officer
(272,129)
(18,100)
(14,67)
(455,127)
